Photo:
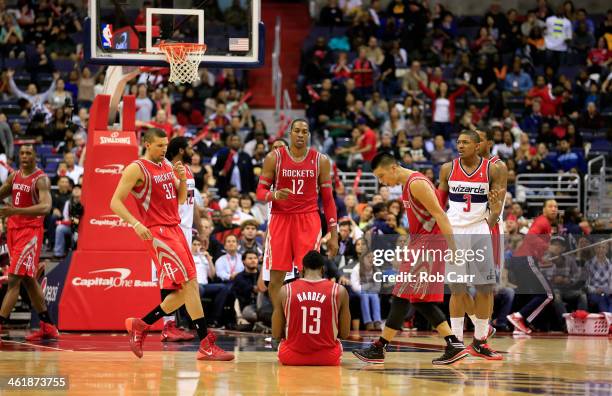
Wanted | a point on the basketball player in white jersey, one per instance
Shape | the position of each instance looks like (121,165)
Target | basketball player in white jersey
(473,189)
(180,150)
(497,232)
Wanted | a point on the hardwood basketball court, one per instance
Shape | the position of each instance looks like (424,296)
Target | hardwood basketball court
(102,364)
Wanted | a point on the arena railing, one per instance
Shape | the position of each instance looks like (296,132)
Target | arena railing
(597,198)
(534,188)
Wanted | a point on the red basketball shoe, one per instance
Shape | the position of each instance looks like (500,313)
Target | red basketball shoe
(171,333)
(137,331)
(46,332)
(210,351)
(519,324)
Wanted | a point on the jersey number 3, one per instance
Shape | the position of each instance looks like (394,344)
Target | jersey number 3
(468,202)
(314,318)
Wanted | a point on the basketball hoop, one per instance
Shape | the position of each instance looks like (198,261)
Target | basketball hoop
(184,60)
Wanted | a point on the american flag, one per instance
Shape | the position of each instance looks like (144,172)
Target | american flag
(238,44)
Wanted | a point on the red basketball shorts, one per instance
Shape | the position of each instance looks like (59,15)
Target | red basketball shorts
(173,259)
(423,280)
(24,246)
(323,357)
(290,237)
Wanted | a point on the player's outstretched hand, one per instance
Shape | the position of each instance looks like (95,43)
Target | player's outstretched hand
(143,232)
(281,194)
(179,169)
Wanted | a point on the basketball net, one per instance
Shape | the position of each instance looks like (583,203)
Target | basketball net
(184,60)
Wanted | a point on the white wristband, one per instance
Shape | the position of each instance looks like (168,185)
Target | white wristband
(136,224)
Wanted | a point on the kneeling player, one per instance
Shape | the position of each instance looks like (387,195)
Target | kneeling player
(429,230)
(315,312)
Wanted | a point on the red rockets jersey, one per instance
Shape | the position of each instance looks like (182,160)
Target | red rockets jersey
(157,197)
(420,221)
(301,177)
(24,195)
(311,313)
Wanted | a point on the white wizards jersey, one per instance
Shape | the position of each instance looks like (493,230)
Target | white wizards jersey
(468,194)
(186,209)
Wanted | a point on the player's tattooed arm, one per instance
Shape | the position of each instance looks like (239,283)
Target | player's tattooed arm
(131,177)
(278,317)
(497,192)
(7,188)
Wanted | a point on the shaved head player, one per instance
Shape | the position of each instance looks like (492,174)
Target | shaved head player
(297,173)
(159,188)
(31,201)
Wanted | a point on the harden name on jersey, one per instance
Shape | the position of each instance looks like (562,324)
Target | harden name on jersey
(311,296)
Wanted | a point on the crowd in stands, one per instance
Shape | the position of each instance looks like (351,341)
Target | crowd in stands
(396,76)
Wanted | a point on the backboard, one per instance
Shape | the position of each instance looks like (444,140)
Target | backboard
(128,32)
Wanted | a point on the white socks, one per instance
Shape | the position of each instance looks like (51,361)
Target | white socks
(481,329)
(457,327)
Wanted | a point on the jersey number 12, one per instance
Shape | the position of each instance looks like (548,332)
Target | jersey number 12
(300,186)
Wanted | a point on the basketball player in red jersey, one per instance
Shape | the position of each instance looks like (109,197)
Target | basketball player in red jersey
(153,182)
(31,201)
(429,229)
(315,312)
(297,174)
(497,232)
(473,189)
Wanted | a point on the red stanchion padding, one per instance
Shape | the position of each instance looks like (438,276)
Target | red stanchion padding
(129,113)
(102,289)
(108,153)
(100,228)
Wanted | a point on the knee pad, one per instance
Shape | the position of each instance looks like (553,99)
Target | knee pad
(485,289)
(397,314)
(431,312)
(458,288)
